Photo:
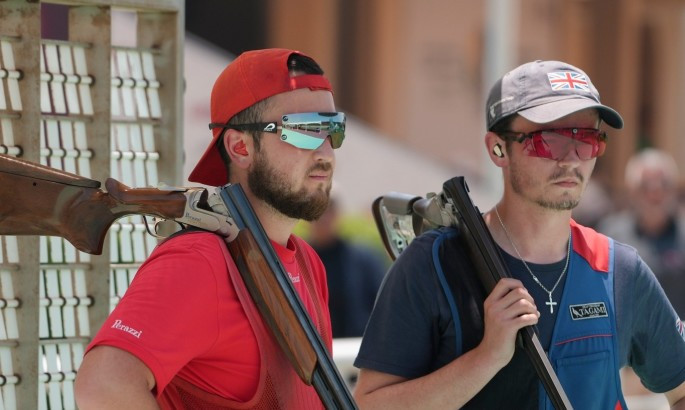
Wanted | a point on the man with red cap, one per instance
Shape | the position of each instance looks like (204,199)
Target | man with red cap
(187,334)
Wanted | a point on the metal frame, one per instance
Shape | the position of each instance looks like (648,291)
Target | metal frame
(56,313)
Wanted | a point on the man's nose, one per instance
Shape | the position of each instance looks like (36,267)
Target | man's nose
(325,150)
(570,155)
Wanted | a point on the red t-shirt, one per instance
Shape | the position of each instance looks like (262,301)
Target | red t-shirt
(181,315)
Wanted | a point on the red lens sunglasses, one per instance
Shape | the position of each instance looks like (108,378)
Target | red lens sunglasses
(556,143)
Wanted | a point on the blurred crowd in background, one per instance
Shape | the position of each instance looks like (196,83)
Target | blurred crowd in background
(648,216)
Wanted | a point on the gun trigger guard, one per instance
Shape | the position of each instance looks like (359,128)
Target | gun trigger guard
(156,222)
(196,215)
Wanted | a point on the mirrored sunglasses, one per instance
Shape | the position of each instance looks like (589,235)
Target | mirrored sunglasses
(305,130)
(556,143)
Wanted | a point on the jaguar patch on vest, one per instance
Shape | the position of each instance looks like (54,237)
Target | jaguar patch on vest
(588,311)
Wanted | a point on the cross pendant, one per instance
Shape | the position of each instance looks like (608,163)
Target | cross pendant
(551,304)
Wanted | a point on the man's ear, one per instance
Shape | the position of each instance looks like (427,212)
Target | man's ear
(496,149)
(239,146)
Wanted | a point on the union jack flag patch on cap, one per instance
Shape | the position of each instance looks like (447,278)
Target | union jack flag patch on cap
(568,80)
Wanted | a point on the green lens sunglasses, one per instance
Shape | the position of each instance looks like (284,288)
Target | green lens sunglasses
(305,130)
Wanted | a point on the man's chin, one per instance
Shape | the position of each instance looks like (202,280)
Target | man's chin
(321,186)
(319,204)
(560,205)
(569,199)
(306,207)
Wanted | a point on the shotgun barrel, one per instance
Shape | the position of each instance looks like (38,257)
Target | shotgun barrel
(279,304)
(491,268)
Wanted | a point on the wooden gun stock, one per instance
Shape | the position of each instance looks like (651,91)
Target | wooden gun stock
(268,296)
(39,200)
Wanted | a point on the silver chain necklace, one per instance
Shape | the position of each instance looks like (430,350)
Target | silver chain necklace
(551,302)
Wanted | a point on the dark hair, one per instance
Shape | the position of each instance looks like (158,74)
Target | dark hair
(502,126)
(301,64)
(298,64)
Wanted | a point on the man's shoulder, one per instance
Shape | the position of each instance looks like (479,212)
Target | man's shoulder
(191,236)
(303,246)
(437,236)
(307,251)
(592,246)
(595,240)
(191,247)
(428,245)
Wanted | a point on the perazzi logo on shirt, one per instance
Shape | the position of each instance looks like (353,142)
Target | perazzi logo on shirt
(117,325)
(294,279)
(588,311)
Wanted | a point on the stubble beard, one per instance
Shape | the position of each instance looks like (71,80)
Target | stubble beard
(272,187)
(519,183)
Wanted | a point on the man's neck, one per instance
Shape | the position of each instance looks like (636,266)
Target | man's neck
(277,226)
(539,235)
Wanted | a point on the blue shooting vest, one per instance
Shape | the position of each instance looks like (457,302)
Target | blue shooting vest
(584,346)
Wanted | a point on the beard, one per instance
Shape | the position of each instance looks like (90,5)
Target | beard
(521,183)
(273,188)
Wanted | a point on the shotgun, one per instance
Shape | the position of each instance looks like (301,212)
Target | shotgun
(491,267)
(401,217)
(273,293)
(40,200)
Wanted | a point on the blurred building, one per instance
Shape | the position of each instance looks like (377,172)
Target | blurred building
(418,70)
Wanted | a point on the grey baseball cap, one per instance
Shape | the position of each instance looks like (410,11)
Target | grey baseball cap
(544,91)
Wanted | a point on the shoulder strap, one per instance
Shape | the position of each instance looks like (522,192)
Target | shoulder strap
(462,289)
(449,286)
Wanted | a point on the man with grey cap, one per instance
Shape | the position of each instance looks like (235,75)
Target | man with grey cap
(436,340)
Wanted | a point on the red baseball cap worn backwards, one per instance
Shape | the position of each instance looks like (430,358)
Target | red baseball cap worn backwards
(252,77)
